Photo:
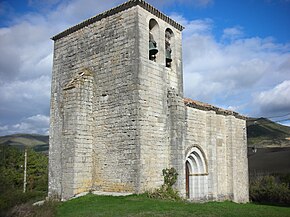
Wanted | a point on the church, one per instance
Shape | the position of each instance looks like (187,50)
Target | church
(119,116)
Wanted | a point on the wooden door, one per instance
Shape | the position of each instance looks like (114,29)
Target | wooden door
(187,178)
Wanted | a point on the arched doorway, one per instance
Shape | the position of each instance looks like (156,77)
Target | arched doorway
(196,174)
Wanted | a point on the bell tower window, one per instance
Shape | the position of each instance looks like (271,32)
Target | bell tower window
(168,47)
(153,37)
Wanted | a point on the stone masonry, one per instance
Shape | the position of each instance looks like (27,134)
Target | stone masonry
(118,116)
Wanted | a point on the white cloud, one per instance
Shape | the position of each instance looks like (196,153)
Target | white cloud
(19,91)
(286,123)
(229,73)
(203,3)
(24,47)
(38,124)
(163,4)
(233,33)
(42,3)
(275,100)
(194,27)
(24,98)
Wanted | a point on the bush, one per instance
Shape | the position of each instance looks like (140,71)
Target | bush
(285,178)
(12,198)
(166,191)
(48,209)
(269,189)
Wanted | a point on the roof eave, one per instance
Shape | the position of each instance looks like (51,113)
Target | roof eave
(122,7)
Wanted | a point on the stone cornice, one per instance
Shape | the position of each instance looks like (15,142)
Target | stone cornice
(122,7)
(207,107)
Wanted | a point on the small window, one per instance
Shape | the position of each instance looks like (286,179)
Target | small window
(153,33)
(168,47)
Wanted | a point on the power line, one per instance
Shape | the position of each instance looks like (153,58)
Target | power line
(288,119)
(280,116)
(256,121)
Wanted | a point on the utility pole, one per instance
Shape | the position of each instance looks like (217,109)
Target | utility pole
(25,171)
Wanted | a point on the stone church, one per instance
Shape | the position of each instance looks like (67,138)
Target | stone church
(119,116)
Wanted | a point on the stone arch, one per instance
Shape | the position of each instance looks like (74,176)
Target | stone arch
(153,39)
(169,36)
(196,172)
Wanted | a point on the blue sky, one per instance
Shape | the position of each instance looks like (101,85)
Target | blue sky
(236,55)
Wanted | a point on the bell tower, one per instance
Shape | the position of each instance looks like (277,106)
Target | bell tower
(160,88)
(116,98)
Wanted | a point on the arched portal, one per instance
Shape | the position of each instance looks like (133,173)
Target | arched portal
(196,173)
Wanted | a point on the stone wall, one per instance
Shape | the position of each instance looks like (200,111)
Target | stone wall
(222,139)
(155,81)
(94,108)
(115,152)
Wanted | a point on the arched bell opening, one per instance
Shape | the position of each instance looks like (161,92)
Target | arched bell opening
(168,47)
(153,38)
(196,175)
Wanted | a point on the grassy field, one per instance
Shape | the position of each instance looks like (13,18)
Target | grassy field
(141,206)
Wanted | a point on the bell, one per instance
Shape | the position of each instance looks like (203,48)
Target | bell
(168,56)
(152,48)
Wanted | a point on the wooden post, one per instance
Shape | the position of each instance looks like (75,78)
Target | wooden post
(25,171)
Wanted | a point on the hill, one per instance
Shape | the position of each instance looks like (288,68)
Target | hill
(38,142)
(272,147)
(263,133)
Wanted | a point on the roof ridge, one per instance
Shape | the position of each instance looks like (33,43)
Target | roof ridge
(117,9)
(208,107)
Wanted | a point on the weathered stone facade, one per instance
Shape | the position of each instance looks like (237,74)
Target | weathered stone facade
(118,116)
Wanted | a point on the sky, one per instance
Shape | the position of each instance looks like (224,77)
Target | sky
(236,55)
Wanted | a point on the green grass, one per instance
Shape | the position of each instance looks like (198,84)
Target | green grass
(141,206)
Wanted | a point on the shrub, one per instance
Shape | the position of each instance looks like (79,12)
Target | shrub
(48,209)
(285,178)
(169,176)
(269,189)
(166,191)
(10,199)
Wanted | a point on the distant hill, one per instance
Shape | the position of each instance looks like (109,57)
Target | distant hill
(38,142)
(272,153)
(262,133)
(265,133)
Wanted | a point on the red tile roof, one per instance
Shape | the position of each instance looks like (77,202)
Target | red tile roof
(207,107)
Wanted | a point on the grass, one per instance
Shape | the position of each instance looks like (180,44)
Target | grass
(141,206)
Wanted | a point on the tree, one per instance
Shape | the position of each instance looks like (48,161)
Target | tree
(12,166)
